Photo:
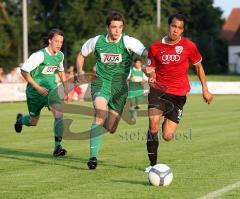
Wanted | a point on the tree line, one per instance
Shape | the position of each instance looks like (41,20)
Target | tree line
(82,19)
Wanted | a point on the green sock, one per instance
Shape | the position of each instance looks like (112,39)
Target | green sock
(95,139)
(26,120)
(58,131)
(133,112)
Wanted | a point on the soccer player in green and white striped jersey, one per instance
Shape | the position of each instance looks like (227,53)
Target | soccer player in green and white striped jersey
(113,52)
(39,72)
(136,80)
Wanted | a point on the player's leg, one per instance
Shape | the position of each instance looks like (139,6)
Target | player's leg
(112,120)
(31,119)
(116,106)
(169,128)
(156,108)
(138,100)
(58,129)
(173,117)
(152,136)
(132,110)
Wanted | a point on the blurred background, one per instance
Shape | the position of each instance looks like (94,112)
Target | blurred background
(81,19)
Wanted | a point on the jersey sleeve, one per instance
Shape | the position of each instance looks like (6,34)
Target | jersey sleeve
(134,45)
(89,46)
(33,61)
(195,56)
(61,67)
(151,62)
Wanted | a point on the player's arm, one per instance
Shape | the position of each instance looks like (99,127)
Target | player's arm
(207,96)
(149,69)
(41,90)
(30,64)
(80,62)
(62,77)
(87,48)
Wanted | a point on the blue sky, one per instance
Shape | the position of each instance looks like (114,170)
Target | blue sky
(227,5)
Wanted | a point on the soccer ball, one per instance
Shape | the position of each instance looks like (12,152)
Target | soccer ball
(160,175)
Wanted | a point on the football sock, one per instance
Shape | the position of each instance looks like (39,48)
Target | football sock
(58,131)
(152,147)
(95,139)
(26,120)
(133,112)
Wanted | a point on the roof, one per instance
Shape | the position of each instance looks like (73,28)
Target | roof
(231,25)
(235,41)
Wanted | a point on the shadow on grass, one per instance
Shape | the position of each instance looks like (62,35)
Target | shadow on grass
(48,159)
(136,182)
(43,158)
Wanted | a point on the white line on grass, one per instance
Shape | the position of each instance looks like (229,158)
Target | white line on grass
(219,192)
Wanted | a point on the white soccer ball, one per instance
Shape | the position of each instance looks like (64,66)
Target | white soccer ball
(160,175)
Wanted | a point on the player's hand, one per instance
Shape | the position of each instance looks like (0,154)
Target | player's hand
(207,96)
(152,77)
(147,70)
(42,91)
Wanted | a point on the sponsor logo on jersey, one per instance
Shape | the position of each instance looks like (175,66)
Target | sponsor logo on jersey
(49,69)
(178,49)
(110,58)
(168,58)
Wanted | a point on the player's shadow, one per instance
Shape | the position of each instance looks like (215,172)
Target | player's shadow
(135,182)
(43,158)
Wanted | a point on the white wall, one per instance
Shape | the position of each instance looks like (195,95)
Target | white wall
(234,59)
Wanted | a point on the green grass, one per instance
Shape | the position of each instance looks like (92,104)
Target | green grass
(202,162)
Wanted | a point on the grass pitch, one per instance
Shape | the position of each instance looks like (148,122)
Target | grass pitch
(204,156)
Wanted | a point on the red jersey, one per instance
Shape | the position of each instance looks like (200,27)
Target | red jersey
(171,63)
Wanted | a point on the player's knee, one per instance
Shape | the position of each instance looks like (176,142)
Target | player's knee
(112,130)
(168,136)
(33,121)
(154,128)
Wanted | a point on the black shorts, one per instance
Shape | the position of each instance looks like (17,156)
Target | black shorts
(171,105)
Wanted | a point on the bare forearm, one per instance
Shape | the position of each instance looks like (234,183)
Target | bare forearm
(63,78)
(201,75)
(79,63)
(30,80)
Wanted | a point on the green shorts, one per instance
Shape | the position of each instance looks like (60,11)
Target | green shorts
(135,90)
(114,92)
(36,102)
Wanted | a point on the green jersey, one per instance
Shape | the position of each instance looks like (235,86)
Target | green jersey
(42,67)
(113,60)
(137,75)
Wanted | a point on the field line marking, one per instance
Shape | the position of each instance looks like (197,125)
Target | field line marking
(219,192)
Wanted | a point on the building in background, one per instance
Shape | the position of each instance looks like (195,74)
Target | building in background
(231,33)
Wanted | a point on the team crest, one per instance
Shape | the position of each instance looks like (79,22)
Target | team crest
(149,62)
(179,49)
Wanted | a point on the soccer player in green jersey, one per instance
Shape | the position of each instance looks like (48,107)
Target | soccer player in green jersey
(113,52)
(136,80)
(39,71)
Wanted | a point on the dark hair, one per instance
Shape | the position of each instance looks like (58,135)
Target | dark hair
(178,16)
(114,16)
(51,34)
(137,59)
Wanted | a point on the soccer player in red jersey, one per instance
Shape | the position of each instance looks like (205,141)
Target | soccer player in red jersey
(167,67)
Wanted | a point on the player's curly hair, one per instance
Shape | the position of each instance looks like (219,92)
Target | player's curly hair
(114,16)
